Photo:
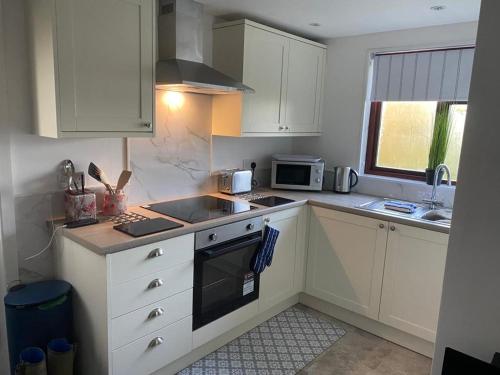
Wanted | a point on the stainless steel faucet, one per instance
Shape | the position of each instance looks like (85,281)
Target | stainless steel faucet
(433,202)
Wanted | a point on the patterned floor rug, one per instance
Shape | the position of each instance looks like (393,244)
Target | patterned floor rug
(280,346)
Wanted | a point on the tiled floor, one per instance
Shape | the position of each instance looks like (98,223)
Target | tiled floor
(361,353)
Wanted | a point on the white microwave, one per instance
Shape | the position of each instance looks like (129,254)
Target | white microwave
(297,172)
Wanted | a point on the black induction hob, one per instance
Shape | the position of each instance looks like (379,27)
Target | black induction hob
(198,209)
(271,201)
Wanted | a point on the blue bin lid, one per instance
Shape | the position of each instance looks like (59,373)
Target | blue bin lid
(36,293)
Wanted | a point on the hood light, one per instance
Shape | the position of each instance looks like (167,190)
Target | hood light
(173,100)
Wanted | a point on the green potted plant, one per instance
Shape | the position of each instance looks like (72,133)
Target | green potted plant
(440,140)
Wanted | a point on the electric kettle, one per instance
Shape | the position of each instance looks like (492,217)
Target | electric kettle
(344,179)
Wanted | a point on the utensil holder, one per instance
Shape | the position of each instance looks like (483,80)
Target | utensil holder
(78,205)
(114,204)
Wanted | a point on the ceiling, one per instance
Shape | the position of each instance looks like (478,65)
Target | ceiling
(345,17)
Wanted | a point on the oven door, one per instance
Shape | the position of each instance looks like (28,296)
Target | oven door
(223,279)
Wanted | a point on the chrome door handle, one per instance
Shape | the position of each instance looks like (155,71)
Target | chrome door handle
(155,342)
(156,313)
(155,283)
(155,253)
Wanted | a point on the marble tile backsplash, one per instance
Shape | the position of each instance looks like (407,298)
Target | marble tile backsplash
(178,160)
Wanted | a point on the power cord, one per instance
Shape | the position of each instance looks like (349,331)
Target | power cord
(48,245)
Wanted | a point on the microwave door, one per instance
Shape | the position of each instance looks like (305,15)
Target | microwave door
(293,175)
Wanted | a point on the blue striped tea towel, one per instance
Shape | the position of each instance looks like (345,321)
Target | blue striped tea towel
(264,256)
(405,207)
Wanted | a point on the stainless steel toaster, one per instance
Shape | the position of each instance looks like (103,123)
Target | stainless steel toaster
(234,181)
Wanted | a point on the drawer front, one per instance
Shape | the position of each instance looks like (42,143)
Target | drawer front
(143,356)
(143,260)
(134,325)
(138,293)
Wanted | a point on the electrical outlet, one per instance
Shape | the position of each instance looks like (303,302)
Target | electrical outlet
(262,163)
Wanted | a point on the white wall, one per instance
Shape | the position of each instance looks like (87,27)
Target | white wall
(469,320)
(346,87)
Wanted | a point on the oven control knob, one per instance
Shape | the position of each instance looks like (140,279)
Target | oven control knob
(212,237)
(318,180)
(250,226)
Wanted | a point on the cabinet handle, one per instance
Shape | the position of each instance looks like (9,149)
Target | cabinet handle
(156,313)
(267,220)
(393,228)
(286,128)
(155,342)
(155,253)
(281,127)
(148,125)
(155,283)
(381,226)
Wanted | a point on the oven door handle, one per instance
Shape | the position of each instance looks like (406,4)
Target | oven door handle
(224,249)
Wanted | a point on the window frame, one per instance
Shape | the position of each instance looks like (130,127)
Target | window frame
(372,142)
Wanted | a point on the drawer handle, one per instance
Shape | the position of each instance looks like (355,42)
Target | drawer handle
(155,283)
(155,342)
(155,253)
(156,313)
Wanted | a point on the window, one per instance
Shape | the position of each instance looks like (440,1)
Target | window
(400,136)
(407,90)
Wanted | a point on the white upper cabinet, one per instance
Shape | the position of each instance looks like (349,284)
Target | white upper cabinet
(413,280)
(306,64)
(93,67)
(286,72)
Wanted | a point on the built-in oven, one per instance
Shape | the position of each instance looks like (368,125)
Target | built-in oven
(297,172)
(223,276)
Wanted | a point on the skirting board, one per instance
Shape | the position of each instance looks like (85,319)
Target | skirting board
(222,340)
(378,329)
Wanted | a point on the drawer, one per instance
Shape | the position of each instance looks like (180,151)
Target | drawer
(138,293)
(143,357)
(150,318)
(144,260)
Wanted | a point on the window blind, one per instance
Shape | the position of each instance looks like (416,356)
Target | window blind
(437,75)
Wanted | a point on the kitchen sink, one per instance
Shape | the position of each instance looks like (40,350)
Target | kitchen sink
(422,213)
(441,215)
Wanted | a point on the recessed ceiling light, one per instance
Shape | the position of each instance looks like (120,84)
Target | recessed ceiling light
(315,24)
(438,7)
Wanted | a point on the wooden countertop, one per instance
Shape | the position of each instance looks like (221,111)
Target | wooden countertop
(103,239)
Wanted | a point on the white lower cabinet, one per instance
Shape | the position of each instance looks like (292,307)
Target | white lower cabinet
(413,280)
(133,308)
(388,272)
(346,260)
(154,351)
(284,278)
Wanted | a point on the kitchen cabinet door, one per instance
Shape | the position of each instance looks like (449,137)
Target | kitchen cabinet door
(413,280)
(264,70)
(285,276)
(106,65)
(93,64)
(306,64)
(345,261)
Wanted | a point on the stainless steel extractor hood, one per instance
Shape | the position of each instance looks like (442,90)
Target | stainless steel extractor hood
(180,49)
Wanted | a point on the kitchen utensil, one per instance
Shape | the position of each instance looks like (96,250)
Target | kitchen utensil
(123,180)
(114,204)
(343,180)
(69,171)
(97,173)
(234,181)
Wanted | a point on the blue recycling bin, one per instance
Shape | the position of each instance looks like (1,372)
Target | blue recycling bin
(37,313)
